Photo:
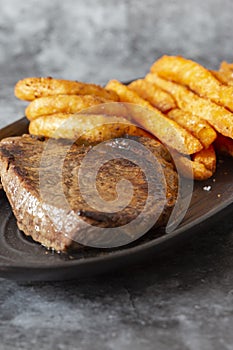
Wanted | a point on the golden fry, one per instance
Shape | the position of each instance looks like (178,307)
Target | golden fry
(226,67)
(83,128)
(127,95)
(194,76)
(200,128)
(224,145)
(153,94)
(109,108)
(207,157)
(220,76)
(201,167)
(225,73)
(30,88)
(61,104)
(165,129)
(220,118)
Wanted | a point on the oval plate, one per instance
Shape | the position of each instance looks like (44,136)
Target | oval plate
(23,259)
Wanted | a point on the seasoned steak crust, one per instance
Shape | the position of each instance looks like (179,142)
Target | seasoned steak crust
(50,222)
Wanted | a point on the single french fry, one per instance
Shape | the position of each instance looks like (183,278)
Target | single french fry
(224,145)
(199,127)
(201,167)
(220,118)
(227,68)
(154,121)
(153,94)
(83,128)
(61,104)
(207,157)
(196,77)
(225,73)
(30,88)
(220,76)
(127,95)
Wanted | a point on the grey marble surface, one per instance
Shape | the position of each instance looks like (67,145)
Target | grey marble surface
(180,300)
(95,40)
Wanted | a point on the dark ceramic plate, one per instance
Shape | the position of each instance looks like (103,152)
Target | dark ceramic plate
(23,259)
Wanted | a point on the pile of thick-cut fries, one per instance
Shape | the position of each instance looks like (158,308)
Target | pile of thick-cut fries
(190,109)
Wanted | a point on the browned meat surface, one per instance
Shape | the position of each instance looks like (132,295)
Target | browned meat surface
(46,218)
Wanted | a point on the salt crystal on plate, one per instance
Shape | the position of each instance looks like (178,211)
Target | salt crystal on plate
(207,188)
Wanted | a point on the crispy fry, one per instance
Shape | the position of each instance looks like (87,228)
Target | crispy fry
(225,73)
(201,167)
(224,145)
(153,94)
(166,130)
(61,104)
(83,128)
(116,109)
(126,95)
(30,88)
(194,76)
(207,157)
(220,76)
(199,127)
(220,118)
(226,67)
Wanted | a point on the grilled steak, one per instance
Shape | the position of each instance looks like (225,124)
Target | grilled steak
(49,205)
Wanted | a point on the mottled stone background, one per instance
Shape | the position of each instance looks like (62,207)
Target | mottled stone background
(182,301)
(94,40)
